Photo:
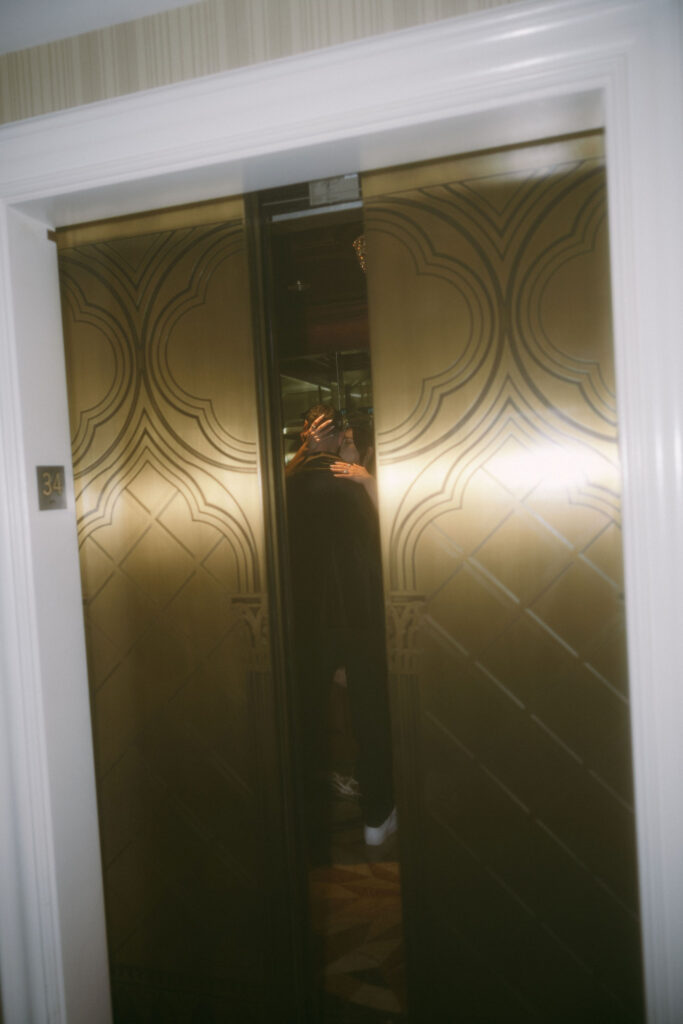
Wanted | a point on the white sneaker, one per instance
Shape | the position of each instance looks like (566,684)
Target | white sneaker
(375,836)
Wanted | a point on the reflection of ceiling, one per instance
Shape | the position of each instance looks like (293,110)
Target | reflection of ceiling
(320,370)
(343,378)
(318,304)
(319,289)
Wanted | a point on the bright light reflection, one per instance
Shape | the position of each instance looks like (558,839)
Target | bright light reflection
(517,468)
(552,466)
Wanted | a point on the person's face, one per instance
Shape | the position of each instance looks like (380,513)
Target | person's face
(329,441)
(347,449)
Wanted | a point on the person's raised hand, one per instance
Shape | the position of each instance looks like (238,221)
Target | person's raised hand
(316,431)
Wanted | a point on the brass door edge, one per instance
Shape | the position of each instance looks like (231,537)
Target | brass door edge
(505,160)
(213,211)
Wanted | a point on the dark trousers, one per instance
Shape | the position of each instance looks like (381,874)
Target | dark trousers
(362,653)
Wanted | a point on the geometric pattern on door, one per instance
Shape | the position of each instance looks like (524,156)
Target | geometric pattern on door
(499,480)
(164,428)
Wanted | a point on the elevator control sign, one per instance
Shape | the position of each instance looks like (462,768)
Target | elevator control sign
(51,489)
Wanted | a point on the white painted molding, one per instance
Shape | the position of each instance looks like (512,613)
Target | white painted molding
(503,76)
(355,106)
(644,157)
(53,960)
(27,891)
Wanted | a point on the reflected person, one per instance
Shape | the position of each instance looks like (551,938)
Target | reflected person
(356,457)
(339,620)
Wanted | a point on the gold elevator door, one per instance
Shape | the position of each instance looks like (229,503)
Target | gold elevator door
(499,492)
(164,421)
(498,467)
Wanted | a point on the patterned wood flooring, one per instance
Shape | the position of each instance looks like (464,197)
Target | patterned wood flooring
(356,914)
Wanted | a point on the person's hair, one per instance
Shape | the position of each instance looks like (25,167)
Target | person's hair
(363,438)
(327,411)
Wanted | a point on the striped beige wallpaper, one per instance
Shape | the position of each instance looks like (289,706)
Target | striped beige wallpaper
(196,40)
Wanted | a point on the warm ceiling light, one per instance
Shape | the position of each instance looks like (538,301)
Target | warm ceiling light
(359,248)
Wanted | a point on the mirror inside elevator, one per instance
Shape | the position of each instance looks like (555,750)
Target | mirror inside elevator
(321,371)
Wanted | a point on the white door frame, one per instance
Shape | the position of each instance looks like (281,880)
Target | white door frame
(503,76)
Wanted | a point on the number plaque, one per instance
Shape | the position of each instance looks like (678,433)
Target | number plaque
(51,488)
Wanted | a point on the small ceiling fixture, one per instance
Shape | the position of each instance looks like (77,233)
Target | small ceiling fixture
(359,249)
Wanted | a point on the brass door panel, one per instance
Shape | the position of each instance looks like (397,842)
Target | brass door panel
(496,425)
(164,427)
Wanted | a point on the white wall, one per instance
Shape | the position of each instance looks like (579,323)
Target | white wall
(56,856)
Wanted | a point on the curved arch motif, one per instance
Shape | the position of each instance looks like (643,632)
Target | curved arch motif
(499,502)
(588,474)
(170,525)
(209,499)
(120,391)
(145,297)
(487,240)
(529,333)
(136,315)
(510,372)
(475,286)
(222,247)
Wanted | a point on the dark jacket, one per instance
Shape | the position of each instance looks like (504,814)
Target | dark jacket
(336,569)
